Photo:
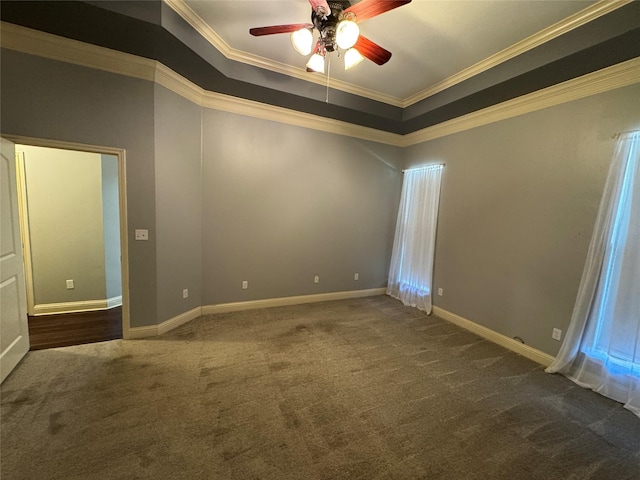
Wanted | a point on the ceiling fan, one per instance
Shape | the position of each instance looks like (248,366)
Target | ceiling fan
(337,24)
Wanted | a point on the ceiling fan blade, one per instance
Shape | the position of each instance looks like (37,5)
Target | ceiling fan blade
(259,31)
(370,8)
(321,7)
(372,50)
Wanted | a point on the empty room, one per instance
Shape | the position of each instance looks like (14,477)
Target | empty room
(346,240)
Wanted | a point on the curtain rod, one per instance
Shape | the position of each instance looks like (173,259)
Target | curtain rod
(431,165)
(617,135)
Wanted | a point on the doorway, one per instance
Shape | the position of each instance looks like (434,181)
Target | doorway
(73,225)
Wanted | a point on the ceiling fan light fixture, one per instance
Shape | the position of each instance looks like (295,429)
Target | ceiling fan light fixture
(302,41)
(347,34)
(352,57)
(316,63)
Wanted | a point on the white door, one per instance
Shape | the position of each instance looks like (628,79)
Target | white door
(14,330)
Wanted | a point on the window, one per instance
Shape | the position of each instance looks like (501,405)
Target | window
(411,270)
(602,347)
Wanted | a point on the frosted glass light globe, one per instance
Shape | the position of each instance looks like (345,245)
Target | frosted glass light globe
(347,34)
(316,63)
(352,57)
(302,41)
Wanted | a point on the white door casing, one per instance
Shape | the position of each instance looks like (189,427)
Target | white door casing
(14,330)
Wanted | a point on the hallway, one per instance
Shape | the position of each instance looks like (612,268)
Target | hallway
(49,331)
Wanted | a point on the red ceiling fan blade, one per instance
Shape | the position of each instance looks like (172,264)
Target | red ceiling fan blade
(321,7)
(372,50)
(259,31)
(370,8)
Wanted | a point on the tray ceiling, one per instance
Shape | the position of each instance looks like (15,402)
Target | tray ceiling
(434,43)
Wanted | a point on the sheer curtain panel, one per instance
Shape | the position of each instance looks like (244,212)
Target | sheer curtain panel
(411,267)
(602,348)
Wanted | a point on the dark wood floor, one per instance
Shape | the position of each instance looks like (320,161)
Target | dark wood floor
(49,331)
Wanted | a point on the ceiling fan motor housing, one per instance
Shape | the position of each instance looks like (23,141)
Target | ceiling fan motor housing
(326,25)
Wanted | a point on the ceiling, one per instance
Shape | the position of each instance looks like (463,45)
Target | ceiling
(432,41)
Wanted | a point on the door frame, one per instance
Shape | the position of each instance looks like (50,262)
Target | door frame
(120,154)
(24,230)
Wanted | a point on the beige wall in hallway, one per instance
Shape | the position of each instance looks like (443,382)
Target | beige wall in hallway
(64,202)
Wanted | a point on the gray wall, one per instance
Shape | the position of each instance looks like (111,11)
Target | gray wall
(64,204)
(48,99)
(111,225)
(282,204)
(308,203)
(518,204)
(178,203)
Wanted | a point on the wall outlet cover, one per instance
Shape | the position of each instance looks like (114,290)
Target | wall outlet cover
(142,234)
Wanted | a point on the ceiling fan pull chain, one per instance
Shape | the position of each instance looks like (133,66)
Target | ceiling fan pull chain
(328,76)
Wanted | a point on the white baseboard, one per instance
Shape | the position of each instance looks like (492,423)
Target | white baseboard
(114,301)
(167,325)
(181,319)
(495,337)
(75,307)
(286,301)
(142,332)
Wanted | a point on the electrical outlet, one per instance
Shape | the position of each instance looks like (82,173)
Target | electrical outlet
(316,279)
(557,334)
(440,292)
(245,284)
(356,276)
(142,234)
(70,285)
(185,293)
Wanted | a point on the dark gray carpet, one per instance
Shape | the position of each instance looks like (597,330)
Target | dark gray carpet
(354,389)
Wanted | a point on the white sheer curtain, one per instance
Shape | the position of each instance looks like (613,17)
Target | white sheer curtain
(602,348)
(413,246)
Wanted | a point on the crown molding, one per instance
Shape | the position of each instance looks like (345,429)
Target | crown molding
(54,47)
(570,23)
(200,26)
(45,45)
(263,111)
(175,82)
(610,78)
(227,103)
